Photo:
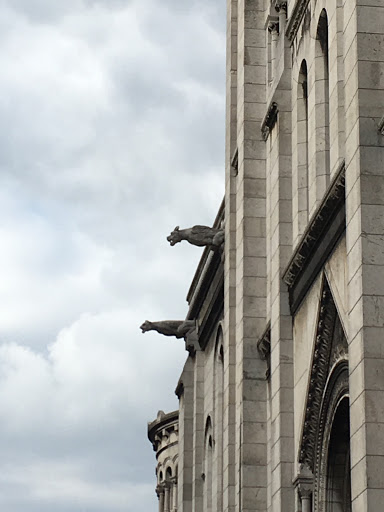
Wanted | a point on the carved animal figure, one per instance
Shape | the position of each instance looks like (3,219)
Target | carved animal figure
(177,328)
(198,235)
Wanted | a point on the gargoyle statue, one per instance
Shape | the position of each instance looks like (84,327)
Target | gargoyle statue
(198,235)
(178,328)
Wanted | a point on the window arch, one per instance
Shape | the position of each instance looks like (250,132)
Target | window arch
(219,420)
(322,142)
(208,464)
(302,148)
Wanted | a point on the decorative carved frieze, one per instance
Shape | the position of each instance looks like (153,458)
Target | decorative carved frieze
(337,390)
(318,241)
(318,378)
(329,364)
(296,18)
(269,120)
(264,349)
(304,481)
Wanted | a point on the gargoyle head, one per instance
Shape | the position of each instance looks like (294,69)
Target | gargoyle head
(146,326)
(175,236)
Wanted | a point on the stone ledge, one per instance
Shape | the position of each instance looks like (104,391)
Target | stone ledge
(324,229)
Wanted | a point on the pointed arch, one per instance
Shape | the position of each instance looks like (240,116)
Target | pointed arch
(328,385)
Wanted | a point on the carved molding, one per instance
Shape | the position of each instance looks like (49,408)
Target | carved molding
(269,120)
(264,349)
(273,27)
(337,389)
(313,244)
(319,372)
(295,19)
(281,6)
(192,342)
(330,351)
(304,481)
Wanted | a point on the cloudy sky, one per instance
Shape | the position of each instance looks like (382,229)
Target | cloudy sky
(111,133)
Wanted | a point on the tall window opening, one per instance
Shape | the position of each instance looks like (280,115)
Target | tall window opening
(339,472)
(302,148)
(168,492)
(208,464)
(219,422)
(322,107)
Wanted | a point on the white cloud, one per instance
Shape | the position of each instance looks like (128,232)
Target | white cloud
(111,133)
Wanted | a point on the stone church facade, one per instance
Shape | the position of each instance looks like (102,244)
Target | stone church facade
(281,399)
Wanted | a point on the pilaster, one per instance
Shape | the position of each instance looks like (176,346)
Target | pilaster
(198,432)
(229,326)
(364,94)
(251,457)
(282,456)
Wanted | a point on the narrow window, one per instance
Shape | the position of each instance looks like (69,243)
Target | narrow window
(322,160)
(208,463)
(302,148)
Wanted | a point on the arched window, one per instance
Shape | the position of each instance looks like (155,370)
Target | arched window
(322,143)
(219,421)
(339,464)
(302,149)
(169,490)
(208,464)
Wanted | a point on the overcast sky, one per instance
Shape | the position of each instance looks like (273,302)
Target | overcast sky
(111,133)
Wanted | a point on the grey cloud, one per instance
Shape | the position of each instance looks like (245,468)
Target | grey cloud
(111,133)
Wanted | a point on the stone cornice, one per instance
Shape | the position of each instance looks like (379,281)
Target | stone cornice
(295,19)
(318,240)
(206,294)
(208,260)
(163,425)
(264,348)
(269,120)
(318,378)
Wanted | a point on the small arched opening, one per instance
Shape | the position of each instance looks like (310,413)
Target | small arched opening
(339,472)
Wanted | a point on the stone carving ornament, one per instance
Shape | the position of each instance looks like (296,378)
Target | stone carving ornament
(328,383)
(198,235)
(177,328)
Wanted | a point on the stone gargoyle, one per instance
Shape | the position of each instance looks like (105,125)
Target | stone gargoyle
(198,235)
(177,328)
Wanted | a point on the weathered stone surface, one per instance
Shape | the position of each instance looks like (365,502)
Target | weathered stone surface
(177,328)
(198,235)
